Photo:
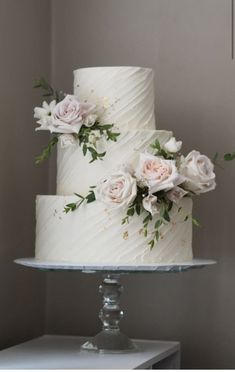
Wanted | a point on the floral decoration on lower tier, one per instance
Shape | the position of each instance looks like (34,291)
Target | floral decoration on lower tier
(70,120)
(150,188)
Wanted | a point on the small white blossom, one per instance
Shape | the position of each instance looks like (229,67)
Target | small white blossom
(67,140)
(44,115)
(90,120)
(172,145)
(150,204)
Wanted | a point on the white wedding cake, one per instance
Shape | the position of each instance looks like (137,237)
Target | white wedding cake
(94,233)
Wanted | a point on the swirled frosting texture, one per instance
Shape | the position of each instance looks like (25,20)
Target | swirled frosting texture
(124,95)
(93,234)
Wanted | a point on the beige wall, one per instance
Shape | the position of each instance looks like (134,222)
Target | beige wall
(25,54)
(187,43)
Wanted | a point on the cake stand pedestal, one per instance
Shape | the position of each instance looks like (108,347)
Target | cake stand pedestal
(111,339)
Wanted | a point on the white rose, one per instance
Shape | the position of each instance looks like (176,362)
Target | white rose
(172,145)
(150,204)
(43,114)
(69,115)
(117,190)
(90,120)
(176,194)
(198,171)
(67,140)
(157,173)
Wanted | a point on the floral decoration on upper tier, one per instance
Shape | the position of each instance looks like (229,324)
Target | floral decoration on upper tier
(159,180)
(70,120)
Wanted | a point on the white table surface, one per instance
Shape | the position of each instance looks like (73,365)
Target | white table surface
(62,352)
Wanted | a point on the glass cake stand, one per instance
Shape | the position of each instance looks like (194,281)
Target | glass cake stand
(111,339)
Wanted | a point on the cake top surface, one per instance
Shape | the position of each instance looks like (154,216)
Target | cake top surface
(113,67)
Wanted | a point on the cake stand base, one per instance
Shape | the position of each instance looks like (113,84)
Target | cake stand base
(111,339)
(110,342)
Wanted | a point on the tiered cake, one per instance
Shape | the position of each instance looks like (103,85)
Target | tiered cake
(94,233)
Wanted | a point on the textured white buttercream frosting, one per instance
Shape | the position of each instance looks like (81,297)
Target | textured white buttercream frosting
(93,234)
(124,95)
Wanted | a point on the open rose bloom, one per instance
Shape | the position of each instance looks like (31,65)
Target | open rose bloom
(65,117)
(157,173)
(118,190)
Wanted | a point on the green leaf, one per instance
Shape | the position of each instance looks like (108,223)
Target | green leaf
(196,222)
(90,197)
(229,156)
(105,126)
(166,215)
(170,205)
(147,218)
(101,155)
(158,224)
(79,196)
(157,235)
(138,209)
(130,211)
(47,151)
(156,145)
(151,244)
(112,136)
(71,206)
(84,149)
(125,220)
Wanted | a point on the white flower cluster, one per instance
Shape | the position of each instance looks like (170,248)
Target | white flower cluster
(65,117)
(193,174)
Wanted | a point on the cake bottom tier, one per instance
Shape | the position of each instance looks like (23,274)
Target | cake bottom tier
(94,235)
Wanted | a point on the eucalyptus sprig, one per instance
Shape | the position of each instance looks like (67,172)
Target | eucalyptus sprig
(49,91)
(47,151)
(89,198)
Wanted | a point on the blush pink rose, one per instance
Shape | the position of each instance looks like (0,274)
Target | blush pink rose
(118,190)
(157,173)
(69,115)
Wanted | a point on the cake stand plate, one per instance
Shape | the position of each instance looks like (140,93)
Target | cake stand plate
(120,269)
(111,339)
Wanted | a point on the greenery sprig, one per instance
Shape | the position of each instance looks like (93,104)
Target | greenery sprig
(89,198)
(57,95)
(159,151)
(84,139)
(47,151)
(136,207)
(229,156)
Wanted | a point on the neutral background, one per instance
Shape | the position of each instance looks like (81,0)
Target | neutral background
(188,44)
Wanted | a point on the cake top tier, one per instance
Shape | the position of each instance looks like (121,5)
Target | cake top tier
(124,95)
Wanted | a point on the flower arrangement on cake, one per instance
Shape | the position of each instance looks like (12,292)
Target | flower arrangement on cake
(70,120)
(153,186)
